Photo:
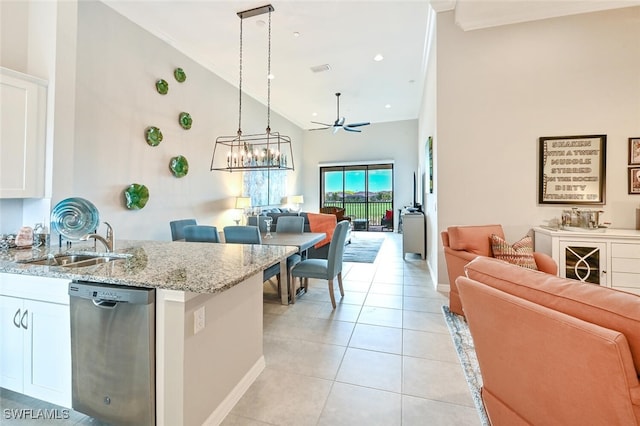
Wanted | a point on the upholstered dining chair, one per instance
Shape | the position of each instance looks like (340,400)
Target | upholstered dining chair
(326,269)
(177,227)
(290,224)
(250,235)
(201,234)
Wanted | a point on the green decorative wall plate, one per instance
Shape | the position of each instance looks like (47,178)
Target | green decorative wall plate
(136,196)
(162,86)
(185,120)
(179,166)
(180,75)
(153,136)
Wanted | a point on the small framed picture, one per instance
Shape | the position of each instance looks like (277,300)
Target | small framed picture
(634,180)
(634,151)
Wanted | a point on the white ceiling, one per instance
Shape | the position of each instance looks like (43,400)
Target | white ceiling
(346,35)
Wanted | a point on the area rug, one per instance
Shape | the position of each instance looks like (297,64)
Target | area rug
(463,343)
(362,250)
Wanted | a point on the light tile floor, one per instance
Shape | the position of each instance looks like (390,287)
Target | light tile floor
(382,357)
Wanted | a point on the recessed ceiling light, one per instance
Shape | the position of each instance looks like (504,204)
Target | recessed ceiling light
(296,34)
(260,23)
(378,57)
(314,114)
(271,76)
(387,106)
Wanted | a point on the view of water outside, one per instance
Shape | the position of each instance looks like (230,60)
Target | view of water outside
(357,202)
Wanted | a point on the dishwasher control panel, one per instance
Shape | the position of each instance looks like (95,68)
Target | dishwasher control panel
(111,292)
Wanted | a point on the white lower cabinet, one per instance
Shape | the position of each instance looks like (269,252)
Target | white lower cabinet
(608,257)
(35,343)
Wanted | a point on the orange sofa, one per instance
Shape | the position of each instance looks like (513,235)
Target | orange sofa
(552,351)
(462,244)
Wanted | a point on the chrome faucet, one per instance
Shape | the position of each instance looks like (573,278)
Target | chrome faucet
(110,240)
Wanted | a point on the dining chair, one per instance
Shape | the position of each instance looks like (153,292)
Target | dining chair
(326,269)
(250,235)
(291,225)
(177,228)
(201,234)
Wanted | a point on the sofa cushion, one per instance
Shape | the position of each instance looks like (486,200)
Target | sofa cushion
(474,239)
(599,305)
(520,253)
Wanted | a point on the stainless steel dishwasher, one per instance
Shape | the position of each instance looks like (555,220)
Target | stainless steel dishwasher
(113,352)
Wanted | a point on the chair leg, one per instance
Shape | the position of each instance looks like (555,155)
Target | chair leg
(340,284)
(333,298)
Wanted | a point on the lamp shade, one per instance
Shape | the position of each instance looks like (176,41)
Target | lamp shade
(243,202)
(295,199)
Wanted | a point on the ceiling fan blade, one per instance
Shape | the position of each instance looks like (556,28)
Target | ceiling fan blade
(321,128)
(336,128)
(324,124)
(349,129)
(356,124)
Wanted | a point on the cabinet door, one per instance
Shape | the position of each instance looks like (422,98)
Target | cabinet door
(22,135)
(584,261)
(11,343)
(48,353)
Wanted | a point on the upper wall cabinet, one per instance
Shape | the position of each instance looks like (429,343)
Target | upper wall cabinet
(23,107)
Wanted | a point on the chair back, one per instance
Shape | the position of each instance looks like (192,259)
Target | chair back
(201,234)
(242,235)
(336,249)
(177,227)
(290,224)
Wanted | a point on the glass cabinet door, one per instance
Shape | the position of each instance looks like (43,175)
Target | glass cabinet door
(583,261)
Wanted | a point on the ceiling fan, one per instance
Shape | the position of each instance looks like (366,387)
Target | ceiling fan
(339,123)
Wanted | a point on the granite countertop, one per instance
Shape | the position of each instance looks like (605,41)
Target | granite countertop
(192,267)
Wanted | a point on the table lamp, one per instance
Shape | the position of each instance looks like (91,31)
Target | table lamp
(296,200)
(242,203)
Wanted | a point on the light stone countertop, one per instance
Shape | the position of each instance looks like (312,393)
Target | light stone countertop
(192,267)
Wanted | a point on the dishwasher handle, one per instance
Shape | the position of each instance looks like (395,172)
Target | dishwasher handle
(104,304)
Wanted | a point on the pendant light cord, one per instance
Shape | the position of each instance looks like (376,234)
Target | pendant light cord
(240,85)
(269,79)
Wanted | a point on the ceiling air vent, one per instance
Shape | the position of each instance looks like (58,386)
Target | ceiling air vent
(321,68)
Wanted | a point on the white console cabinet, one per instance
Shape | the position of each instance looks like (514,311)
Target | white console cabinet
(22,135)
(35,348)
(413,234)
(608,257)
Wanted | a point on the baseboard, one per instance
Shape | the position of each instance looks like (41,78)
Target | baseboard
(225,407)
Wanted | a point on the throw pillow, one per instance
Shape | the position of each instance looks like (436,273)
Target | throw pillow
(520,253)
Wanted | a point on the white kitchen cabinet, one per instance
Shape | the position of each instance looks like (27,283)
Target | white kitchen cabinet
(609,257)
(413,240)
(35,338)
(22,135)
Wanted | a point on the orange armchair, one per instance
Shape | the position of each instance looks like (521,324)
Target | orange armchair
(462,244)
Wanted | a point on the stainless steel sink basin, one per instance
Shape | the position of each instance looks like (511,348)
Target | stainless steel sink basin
(75,260)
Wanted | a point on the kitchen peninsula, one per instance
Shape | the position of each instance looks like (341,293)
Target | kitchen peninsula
(199,376)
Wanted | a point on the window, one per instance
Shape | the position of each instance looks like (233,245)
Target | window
(364,191)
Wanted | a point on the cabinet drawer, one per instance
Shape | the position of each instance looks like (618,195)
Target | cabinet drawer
(54,290)
(621,264)
(625,250)
(625,279)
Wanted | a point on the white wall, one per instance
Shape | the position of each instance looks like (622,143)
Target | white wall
(118,64)
(500,89)
(382,142)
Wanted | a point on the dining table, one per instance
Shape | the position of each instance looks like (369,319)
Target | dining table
(303,241)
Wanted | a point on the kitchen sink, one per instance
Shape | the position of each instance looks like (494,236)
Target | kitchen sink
(75,260)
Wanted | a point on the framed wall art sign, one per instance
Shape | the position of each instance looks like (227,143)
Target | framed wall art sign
(634,151)
(572,169)
(634,180)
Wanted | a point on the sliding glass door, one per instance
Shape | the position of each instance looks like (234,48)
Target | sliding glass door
(364,191)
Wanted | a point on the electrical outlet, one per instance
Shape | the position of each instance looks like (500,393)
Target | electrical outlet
(198,320)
